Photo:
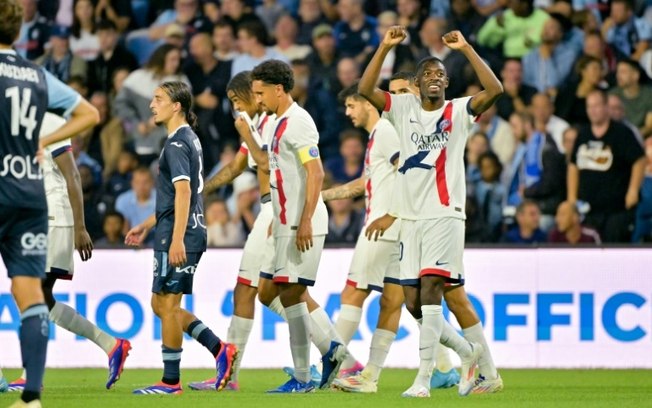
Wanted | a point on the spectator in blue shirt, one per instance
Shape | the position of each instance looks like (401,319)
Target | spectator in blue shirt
(139,203)
(526,230)
(628,34)
(355,33)
(548,65)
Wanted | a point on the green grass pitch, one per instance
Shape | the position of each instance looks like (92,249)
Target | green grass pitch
(523,388)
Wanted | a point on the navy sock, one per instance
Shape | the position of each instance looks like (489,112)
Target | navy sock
(205,336)
(34,332)
(171,362)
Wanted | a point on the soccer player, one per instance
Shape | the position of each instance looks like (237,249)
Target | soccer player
(257,256)
(300,223)
(28,91)
(67,232)
(375,264)
(433,134)
(179,239)
(401,83)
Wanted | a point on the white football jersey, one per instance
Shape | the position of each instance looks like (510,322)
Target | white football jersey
(382,150)
(56,190)
(294,134)
(257,126)
(431,179)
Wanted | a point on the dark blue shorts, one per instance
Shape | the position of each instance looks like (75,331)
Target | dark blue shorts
(170,279)
(24,241)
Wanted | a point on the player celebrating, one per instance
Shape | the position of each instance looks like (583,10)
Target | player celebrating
(433,134)
(29,91)
(180,239)
(375,264)
(300,223)
(67,232)
(251,125)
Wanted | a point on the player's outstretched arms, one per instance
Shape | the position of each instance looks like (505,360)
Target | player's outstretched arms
(378,227)
(352,189)
(367,86)
(136,236)
(493,89)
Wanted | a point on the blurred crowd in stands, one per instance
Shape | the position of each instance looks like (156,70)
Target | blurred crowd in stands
(565,155)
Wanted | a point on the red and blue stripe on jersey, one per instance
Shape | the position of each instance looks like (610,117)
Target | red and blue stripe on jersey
(278,134)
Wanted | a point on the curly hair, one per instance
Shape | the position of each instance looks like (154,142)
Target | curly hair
(274,72)
(11,15)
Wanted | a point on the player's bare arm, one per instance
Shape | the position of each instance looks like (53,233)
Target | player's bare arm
(352,189)
(493,89)
(378,227)
(177,251)
(314,180)
(136,236)
(367,86)
(83,242)
(635,182)
(83,117)
(227,174)
(260,157)
(572,182)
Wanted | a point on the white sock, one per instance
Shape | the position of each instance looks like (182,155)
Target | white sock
(443,358)
(277,307)
(66,317)
(299,323)
(433,320)
(475,334)
(452,339)
(238,334)
(380,344)
(322,330)
(348,321)
(346,325)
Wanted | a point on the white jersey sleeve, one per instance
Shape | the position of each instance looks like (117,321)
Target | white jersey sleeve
(56,189)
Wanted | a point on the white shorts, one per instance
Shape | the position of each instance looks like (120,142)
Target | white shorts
(292,266)
(374,263)
(258,254)
(60,260)
(432,247)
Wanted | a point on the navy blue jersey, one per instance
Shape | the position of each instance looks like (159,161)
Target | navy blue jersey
(25,100)
(27,91)
(181,159)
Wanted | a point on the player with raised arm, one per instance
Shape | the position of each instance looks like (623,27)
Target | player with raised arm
(180,239)
(430,202)
(257,256)
(67,232)
(300,224)
(28,91)
(375,264)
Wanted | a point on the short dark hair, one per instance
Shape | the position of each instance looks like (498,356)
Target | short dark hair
(526,203)
(628,3)
(428,60)
(240,85)
(113,213)
(274,72)
(584,61)
(347,134)
(489,155)
(11,15)
(632,64)
(106,25)
(256,29)
(601,92)
(349,92)
(404,75)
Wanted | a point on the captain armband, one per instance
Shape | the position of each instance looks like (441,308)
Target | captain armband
(308,153)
